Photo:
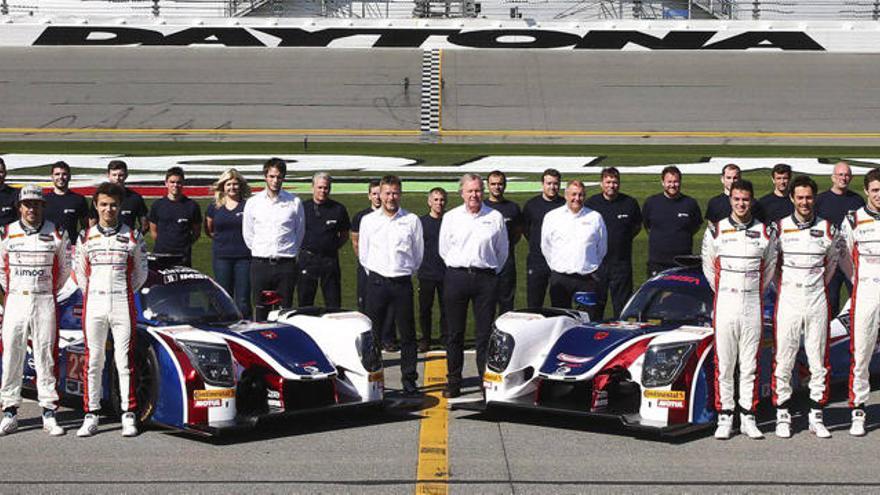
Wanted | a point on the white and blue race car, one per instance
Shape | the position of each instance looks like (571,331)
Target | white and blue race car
(201,368)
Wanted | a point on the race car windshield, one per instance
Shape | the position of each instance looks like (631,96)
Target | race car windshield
(677,304)
(189,302)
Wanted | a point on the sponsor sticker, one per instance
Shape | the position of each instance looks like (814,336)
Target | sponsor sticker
(215,394)
(666,395)
(492,377)
(671,404)
(208,403)
(568,358)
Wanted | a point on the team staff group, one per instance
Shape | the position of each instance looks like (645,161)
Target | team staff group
(274,243)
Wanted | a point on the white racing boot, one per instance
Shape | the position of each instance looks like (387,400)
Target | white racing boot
(9,423)
(783,423)
(724,430)
(129,428)
(51,426)
(857,429)
(748,426)
(817,426)
(89,426)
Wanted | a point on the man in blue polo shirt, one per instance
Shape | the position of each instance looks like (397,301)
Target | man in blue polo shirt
(175,220)
(65,208)
(671,219)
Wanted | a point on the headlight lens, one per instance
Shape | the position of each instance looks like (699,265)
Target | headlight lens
(213,362)
(500,350)
(663,363)
(370,356)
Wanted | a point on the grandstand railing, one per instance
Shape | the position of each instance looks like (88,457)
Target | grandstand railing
(137,8)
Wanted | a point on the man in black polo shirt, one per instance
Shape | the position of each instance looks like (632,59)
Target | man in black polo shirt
(327,229)
(671,219)
(65,208)
(777,204)
(833,205)
(719,206)
(497,183)
(133,210)
(537,271)
(432,269)
(8,199)
(623,221)
(175,220)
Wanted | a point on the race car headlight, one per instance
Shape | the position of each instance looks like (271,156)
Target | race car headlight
(500,350)
(370,356)
(663,363)
(213,362)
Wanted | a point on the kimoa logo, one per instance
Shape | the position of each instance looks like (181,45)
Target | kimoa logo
(440,37)
(30,272)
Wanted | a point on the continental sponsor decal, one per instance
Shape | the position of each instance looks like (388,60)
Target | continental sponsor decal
(666,395)
(216,394)
(860,222)
(492,377)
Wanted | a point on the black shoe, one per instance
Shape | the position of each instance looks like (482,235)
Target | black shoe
(390,347)
(410,389)
(452,391)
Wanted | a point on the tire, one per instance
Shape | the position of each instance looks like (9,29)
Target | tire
(146,386)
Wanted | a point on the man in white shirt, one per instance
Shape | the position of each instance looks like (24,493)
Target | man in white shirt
(574,242)
(273,228)
(474,246)
(390,248)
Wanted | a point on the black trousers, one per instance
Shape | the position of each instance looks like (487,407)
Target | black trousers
(507,286)
(461,287)
(614,278)
(655,267)
(834,285)
(388,332)
(279,275)
(382,293)
(427,289)
(563,286)
(315,268)
(537,280)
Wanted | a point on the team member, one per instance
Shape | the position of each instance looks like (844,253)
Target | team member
(473,244)
(671,219)
(777,204)
(8,199)
(65,208)
(739,257)
(230,256)
(35,264)
(807,260)
(719,206)
(833,206)
(623,219)
(273,227)
(497,183)
(327,229)
(537,271)
(861,234)
(574,242)
(390,249)
(110,266)
(432,269)
(175,220)
(133,210)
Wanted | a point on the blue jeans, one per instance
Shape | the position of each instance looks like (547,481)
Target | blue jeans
(234,275)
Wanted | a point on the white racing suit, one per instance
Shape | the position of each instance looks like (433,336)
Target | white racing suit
(861,232)
(110,264)
(34,264)
(808,256)
(738,261)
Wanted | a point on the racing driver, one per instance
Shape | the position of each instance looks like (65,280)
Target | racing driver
(739,259)
(861,233)
(807,259)
(110,265)
(35,264)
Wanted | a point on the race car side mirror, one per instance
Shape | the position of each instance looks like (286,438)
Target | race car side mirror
(270,298)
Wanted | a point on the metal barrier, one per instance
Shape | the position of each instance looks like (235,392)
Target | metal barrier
(135,8)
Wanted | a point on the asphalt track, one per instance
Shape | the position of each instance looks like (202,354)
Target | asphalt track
(391,452)
(561,96)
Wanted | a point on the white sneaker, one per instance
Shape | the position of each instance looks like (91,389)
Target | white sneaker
(51,426)
(89,426)
(817,426)
(748,426)
(724,430)
(9,424)
(857,429)
(129,429)
(783,423)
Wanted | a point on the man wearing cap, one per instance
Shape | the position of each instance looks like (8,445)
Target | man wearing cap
(35,264)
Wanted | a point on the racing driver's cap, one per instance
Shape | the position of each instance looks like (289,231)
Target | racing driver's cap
(31,192)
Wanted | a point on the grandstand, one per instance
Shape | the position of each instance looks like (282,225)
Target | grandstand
(540,10)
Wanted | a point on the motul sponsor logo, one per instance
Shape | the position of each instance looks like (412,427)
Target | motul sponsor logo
(419,37)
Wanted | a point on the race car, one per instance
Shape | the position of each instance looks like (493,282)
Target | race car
(653,370)
(201,368)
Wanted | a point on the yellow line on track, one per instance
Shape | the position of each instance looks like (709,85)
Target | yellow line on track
(433,471)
